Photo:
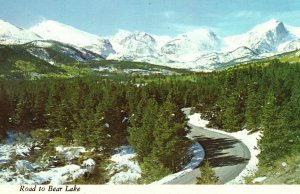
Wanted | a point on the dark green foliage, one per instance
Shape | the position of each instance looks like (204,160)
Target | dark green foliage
(170,143)
(208,175)
(141,138)
(17,63)
(5,111)
(105,113)
(153,170)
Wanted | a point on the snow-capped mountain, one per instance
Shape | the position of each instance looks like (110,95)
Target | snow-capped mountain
(200,49)
(52,30)
(10,34)
(213,60)
(134,45)
(289,46)
(294,43)
(263,38)
(52,52)
(188,46)
(294,30)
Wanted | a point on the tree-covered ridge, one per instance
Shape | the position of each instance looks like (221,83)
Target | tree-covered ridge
(145,111)
(50,59)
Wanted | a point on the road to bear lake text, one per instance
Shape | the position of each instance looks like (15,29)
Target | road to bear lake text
(73,188)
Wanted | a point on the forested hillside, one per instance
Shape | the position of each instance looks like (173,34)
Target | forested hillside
(145,111)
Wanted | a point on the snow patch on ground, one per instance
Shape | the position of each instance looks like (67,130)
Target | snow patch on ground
(5,153)
(124,169)
(25,172)
(89,162)
(259,179)
(56,176)
(13,147)
(23,166)
(249,139)
(195,119)
(22,150)
(70,153)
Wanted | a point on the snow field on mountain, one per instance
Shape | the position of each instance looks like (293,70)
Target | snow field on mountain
(10,34)
(199,50)
(249,139)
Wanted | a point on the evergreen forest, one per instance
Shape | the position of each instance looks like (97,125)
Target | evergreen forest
(145,111)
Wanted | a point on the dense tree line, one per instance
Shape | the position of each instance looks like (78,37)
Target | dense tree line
(145,111)
(101,114)
(262,97)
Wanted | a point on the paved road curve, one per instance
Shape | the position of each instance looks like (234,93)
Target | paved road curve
(227,155)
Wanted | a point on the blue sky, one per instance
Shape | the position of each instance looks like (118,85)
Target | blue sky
(162,17)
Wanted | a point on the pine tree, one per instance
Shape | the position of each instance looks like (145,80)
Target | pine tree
(208,175)
(39,109)
(272,131)
(100,133)
(170,142)
(141,138)
(4,112)
(24,115)
(153,169)
(253,109)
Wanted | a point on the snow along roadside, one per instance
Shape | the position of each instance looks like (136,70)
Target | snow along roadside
(198,155)
(250,140)
(125,159)
(196,150)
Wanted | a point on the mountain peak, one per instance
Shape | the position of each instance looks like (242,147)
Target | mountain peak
(11,34)
(53,30)
(6,26)
(269,25)
(3,22)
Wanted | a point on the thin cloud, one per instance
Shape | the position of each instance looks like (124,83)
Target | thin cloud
(182,28)
(248,14)
(169,14)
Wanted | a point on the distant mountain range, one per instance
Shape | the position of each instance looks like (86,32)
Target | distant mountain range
(200,50)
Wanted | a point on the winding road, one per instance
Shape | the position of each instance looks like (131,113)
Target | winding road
(227,155)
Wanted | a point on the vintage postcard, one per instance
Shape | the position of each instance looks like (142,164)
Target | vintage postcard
(97,95)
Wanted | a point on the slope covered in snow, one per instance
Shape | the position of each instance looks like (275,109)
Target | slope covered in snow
(203,50)
(200,49)
(262,38)
(134,46)
(52,51)
(52,30)
(186,47)
(10,34)
(294,30)
(213,60)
